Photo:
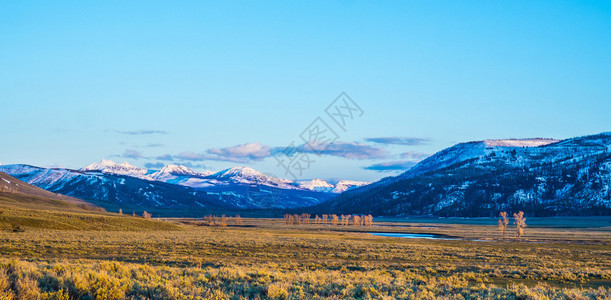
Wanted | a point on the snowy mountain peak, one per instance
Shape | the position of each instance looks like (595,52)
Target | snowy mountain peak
(519,142)
(111,167)
(242,171)
(318,185)
(99,166)
(177,170)
(246,175)
(345,185)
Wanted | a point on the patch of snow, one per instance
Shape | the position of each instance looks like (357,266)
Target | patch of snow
(111,167)
(519,142)
(317,185)
(345,185)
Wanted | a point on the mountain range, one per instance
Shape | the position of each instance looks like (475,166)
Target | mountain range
(543,177)
(177,188)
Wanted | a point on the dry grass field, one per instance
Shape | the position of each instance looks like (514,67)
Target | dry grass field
(264,258)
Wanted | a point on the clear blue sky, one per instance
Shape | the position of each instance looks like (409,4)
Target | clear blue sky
(86,80)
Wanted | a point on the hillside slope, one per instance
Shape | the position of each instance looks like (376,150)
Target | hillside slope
(569,177)
(228,190)
(24,206)
(12,185)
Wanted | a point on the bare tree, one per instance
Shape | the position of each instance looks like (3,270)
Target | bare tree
(120,211)
(520,221)
(334,220)
(346,219)
(503,221)
(369,221)
(238,220)
(325,217)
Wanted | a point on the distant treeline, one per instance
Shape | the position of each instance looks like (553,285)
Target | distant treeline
(355,220)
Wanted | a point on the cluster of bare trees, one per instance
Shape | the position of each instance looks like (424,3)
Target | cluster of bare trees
(221,221)
(519,221)
(146,215)
(345,220)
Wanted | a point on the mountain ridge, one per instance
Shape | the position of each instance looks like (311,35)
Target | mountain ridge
(567,177)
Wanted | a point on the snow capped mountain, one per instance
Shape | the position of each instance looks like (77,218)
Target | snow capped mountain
(345,185)
(246,175)
(317,185)
(519,142)
(175,171)
(111,167)
(541,177)
(175,187)
(112,186)
(182,175)
(470,150)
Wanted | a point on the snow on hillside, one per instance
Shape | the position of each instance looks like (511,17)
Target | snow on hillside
(470,150)
(246,175)
(170,172)
(345,185)
(111,167)
(317,185)
(519,142)
(543,176)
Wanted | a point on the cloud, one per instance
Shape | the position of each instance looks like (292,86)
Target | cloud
(245,153)
(129,153)
(154,145)
(409,141)
(240,153)
(166,157)
(391,166)
(140,132)
(159,165)
(346,150)
(414,156)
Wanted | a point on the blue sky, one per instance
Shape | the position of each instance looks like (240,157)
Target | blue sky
(218,84)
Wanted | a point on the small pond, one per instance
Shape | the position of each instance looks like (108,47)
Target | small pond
(412,235)
(421,236)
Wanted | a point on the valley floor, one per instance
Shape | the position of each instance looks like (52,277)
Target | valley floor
(263,258)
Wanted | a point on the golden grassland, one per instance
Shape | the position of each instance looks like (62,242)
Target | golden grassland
(264,258)
(23,211)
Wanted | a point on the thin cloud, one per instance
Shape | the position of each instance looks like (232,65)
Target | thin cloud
(140,132)
(154,145)
(129,153)
(159,165)
(408,141)
(358,151)
(244,152)
(390,166)
(166,157)
(249,152)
